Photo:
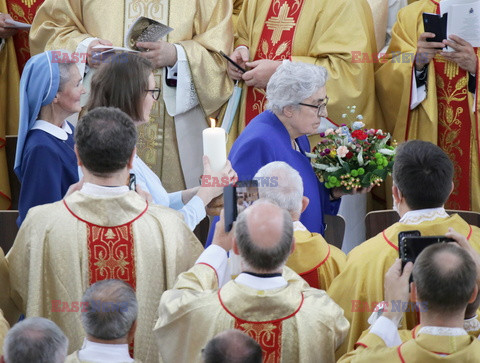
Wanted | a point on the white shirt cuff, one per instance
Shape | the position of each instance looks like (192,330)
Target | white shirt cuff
(216,257)
(193,212)
(387,331)
(242,46)
(418,93)
(175,200)
(82,49)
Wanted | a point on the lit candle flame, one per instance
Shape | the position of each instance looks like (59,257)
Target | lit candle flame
(213,122)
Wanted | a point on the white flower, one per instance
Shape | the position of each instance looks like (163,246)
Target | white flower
(344,115)
(360,117)
(342,151)
(386,151)
(357,125)
(329,132)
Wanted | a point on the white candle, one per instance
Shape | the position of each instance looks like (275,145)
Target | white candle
(214,146)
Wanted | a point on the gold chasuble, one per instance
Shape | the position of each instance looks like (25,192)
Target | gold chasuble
(316,261)
(292,324)
(359,287)
(23,11)
(447,117)
(64,247)
(326,33)
(201,28)
(3,330)
(424,348)
(9,83)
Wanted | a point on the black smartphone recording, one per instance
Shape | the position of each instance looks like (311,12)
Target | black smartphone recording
(236,198)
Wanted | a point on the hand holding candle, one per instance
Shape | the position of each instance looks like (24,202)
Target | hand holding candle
(214,146)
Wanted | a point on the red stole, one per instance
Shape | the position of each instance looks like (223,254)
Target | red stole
(275,44)
(24,11)
(111,252)
(266,333)
(454,126)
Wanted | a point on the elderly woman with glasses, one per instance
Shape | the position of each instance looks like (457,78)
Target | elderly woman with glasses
(297,101)
(127,82)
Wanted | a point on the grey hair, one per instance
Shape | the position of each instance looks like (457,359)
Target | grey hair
(109,309)
(263,259)
(35,340)
(64,71)
(293,82)
(281,184)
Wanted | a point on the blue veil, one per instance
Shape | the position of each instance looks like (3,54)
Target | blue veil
(38,87)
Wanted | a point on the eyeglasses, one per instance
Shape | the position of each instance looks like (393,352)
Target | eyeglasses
(155,93)
(320,108)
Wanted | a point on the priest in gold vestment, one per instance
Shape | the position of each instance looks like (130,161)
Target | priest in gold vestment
(430,95)
(291,321)
(326,33)
(359,287)
(445,279)
(316,261)
(172,147)
(103,231)
(3,330)
(9,81)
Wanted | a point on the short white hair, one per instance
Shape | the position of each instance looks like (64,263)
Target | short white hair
(281,184)
(36,340)
(292,83)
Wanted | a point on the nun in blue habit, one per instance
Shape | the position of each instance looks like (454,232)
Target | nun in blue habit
(45,161)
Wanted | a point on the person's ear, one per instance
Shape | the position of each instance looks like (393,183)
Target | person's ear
(288,111)
(451,189)
(75,149)
(235,246)
(305,202)
(397,194)
(413,292)
(294,245)
(474,294)
(132,157)
(131,332)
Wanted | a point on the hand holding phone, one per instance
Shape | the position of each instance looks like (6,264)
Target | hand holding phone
(236,198)
(231,61)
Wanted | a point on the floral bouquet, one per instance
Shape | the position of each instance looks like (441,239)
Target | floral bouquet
(354,157)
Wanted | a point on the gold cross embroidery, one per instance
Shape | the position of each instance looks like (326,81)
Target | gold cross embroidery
(280,23)
(29,3)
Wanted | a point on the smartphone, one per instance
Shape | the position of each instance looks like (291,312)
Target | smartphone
(436,24)
(236,198)
(409,247)
(241,69)
(132,182)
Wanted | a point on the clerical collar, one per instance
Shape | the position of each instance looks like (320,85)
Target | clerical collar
(60,133)
(98,352)
(442,331)
(423,215)
(261,283)
(298,226)
(102,191)
(262,275)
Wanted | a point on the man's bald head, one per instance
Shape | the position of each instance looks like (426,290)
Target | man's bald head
(264,235)
(445,276)
(232,346)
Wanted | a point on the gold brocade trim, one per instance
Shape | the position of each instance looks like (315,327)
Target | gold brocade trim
(451,68)
(29,3)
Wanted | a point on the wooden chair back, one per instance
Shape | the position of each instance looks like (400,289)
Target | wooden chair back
(377,221)
(8,228)
(10,148)
(334,229)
